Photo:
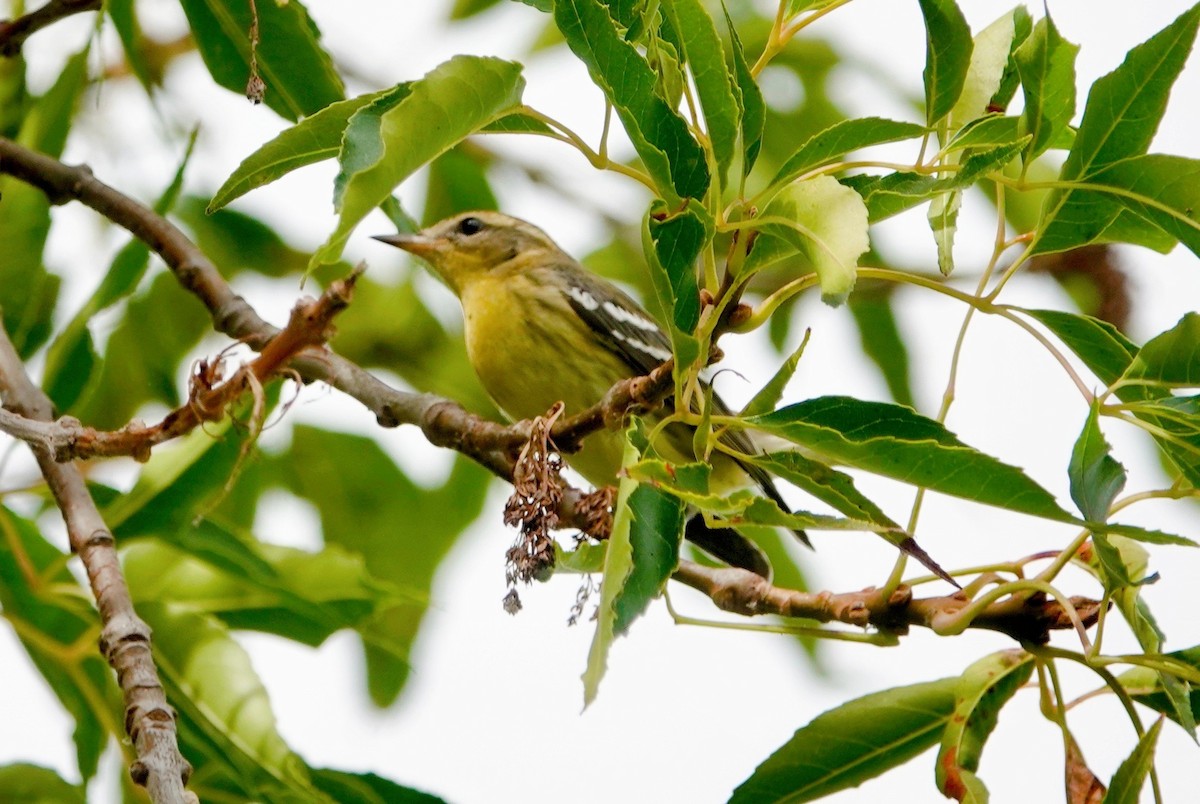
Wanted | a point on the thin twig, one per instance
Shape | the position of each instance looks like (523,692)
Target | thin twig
(208,400)
(444,422)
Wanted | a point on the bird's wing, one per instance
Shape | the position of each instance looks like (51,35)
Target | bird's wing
(632,334)
(624,327)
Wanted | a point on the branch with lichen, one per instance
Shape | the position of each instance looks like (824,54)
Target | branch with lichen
(125,637)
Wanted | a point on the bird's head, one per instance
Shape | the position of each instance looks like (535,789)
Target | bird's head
(468,245)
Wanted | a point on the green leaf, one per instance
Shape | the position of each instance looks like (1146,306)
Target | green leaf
(71,358)
(670,153)
(626,13)
(714,85)
(1047,65)
(836,489)
(451,102)
(1178,418)
(367,788)
(37,589)
(618,564)
(794,7)
(314,139)
(984,688)
(129,31)
(943,222)
(1120,564)
(28,292)
(1171,358)
(896,442)
(989,56)
(225,721)
(827,223)
(840,139)
(457,182)
(369,507)
(753,109)
(894,193)
(1147,535)
(769,395)
(183,480)
(671,246)
(664,59)
(1096,477)
(948,46)
(827,484)
(987,132)
(585,559)
(1147,687)
(465,9)
(889,728)
(22,783)
(1163,191)
(1127,782)
(689,482)
(299,75)
(1100,345)
(306,597)
(655,531)
(1121,116)
(1173,683)
(14,96)
(70,367)
(142,356)
(242,242)
(517,123)
(174,482)
(875,316)
(1022,28)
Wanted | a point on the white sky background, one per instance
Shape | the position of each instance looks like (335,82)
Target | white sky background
(492,712)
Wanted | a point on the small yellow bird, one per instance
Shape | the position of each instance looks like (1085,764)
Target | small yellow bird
(541,329)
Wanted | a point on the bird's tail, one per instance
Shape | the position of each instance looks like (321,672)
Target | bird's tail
(726,544)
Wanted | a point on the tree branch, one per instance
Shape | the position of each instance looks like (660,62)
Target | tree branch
(13,33)
(444,422)
(310,325)
(125,638)
(1025,619)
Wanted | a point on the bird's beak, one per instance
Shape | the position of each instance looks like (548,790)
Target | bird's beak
(419,244)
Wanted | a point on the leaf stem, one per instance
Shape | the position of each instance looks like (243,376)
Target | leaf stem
(954,624)
(597,159)
(781,33)
(884,639)
(602,150)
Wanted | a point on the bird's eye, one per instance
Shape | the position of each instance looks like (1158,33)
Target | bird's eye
(470,225)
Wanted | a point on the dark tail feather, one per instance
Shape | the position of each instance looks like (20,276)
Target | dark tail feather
(728,545)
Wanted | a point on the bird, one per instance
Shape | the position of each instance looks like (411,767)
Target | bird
(540,329)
